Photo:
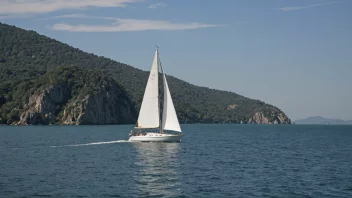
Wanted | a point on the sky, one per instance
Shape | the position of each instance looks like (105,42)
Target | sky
(296,55)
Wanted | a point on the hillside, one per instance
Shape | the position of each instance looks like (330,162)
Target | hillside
(322,120)
(67,95)
(26,55)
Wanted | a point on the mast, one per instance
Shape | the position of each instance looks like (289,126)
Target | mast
(159,66)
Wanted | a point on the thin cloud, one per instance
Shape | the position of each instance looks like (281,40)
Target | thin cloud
(12,16)
(40,6)
(292,8)
(71,16)
(128,25)
(80,16)
(157,5)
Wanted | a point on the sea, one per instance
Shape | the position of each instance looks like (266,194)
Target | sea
(213,160)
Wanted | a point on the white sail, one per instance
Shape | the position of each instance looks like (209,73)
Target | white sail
(149,112)
(170,121)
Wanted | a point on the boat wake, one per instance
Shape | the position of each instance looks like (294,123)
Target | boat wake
(90,144)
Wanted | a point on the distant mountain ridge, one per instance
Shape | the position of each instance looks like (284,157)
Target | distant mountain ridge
(26,56)
(322,120)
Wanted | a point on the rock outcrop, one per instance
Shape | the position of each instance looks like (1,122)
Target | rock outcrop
(44,105)
(75,101)
(231,106)
(272,118)
(108,106)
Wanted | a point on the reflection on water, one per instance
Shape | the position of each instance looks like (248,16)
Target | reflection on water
(157,173)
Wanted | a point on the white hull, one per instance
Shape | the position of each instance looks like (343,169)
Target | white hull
(156,137)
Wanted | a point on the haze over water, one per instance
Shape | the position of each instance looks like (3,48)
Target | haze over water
(211,161)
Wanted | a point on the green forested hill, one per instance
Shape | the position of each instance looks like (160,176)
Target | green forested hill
(26,55)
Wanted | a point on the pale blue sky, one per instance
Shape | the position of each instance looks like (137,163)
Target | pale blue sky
(296,55)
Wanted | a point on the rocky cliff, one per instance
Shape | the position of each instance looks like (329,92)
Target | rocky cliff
(272,118)
(44,105)
(108,106)
(69,102)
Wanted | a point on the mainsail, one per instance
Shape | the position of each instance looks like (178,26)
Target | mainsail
(170,121)
(149,113)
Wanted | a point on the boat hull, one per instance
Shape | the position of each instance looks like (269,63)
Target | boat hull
(156,137)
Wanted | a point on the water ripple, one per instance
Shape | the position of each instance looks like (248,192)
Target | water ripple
(211,161)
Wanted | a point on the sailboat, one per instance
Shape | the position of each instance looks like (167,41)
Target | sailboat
(151,127)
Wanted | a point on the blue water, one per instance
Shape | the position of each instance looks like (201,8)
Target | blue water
(211,161)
